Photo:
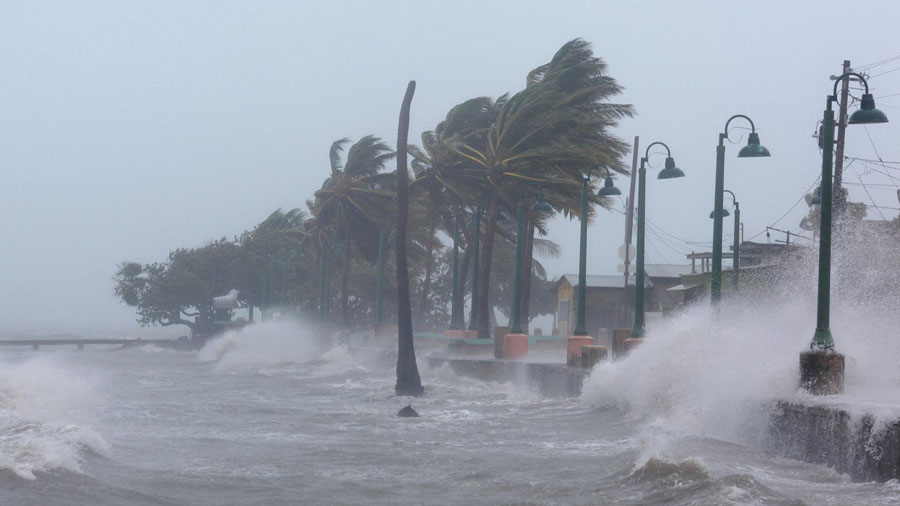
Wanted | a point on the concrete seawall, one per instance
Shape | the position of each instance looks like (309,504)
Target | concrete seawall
(550,380)
(860,446)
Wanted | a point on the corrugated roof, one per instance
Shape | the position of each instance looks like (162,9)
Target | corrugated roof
(666,270)
(599,281)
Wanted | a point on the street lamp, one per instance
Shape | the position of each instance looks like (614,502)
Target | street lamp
(669,172)
(736,248)
(456,312)
(608,190)
(753,149)
(821,369)
(476,235)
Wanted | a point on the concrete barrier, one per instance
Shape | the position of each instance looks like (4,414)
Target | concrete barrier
(591,355)
(618,342)
(515,346)
(573,349)
(549,380)
(859,446)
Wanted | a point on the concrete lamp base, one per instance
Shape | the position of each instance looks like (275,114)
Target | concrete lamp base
(632,343)
(591,355)
(515,346)
(618,341)
(573,349)
(822,372)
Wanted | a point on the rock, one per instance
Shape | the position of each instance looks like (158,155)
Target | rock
(407,412)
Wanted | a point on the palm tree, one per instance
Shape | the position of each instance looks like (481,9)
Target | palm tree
(353,200)
(408,380)
(440,171)
(550,132)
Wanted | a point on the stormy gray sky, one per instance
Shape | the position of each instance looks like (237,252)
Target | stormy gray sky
(128,129)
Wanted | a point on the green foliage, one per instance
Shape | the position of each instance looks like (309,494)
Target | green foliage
(483,152)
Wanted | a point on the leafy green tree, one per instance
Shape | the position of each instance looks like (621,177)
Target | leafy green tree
(181,289)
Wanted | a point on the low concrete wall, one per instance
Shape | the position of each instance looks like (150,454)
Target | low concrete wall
(859,446)
(550,380)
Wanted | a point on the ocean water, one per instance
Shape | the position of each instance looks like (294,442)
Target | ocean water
(271,416)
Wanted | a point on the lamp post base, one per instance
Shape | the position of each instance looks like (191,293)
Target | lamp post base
(591,355)
(632,343)
(822,372)
(618,342)
(455,334)
(515,346)
(573,349)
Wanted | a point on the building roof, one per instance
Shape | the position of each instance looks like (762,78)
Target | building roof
(666,270)
(599,281)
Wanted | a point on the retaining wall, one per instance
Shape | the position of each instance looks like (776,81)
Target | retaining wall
(860,446)
(550,380)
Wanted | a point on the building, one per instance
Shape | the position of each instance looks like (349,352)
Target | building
(609,305)
(761,265)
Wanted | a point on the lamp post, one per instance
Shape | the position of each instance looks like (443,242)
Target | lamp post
(821,369)
(476,235)
(608,190)
(753,149)
(736,248)
(515,344)
(669,172)
(456,312)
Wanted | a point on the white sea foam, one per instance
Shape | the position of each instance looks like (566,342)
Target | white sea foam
(718,373)
(267,343)
(44,412)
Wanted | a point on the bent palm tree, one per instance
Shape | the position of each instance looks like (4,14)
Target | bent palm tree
(552,132)
(408,380)
(353,200)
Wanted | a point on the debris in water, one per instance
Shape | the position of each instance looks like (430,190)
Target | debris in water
(407,412)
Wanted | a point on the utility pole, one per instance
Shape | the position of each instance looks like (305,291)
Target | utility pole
(836,199)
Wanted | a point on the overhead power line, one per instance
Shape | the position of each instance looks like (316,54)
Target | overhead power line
(878,63)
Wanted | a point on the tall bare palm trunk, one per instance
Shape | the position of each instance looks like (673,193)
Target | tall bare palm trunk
(408,380)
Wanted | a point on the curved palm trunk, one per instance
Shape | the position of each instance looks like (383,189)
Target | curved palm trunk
(484,318)
(527,261)
(408,380)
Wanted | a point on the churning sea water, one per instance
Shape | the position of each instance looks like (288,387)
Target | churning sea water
(268,417)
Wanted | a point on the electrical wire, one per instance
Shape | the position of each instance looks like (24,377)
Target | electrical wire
(802,197)
(869,160)
(878,63)
(865,189)
(885,72)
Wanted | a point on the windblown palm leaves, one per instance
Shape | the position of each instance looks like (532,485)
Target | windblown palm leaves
(355,198)
(551,132)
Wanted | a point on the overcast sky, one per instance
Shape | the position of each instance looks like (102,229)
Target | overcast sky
(128,129)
